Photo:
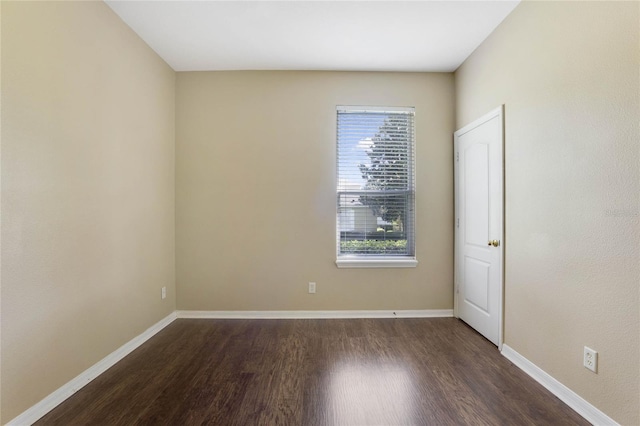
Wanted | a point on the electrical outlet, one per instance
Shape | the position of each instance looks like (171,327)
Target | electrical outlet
(590,359)
(164,292)
(312,288)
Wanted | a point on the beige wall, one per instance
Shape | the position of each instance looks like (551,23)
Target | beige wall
(87,192)
(255,191)
(568,76)
(0,215)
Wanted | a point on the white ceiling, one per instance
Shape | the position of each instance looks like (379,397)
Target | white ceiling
(313,35)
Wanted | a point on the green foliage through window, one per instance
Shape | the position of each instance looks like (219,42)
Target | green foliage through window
(373,247)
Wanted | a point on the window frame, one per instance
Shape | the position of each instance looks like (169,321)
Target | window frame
(375,260)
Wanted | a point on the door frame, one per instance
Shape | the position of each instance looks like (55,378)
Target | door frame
(497,112)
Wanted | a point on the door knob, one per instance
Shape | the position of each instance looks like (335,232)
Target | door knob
(494,243)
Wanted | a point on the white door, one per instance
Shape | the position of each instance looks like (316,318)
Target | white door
(479,225)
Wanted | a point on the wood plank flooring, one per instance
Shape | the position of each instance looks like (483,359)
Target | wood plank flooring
(314,372)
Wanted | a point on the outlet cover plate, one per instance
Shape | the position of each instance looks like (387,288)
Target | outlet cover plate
(590,359)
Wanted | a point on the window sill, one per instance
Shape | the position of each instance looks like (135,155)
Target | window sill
(377,263)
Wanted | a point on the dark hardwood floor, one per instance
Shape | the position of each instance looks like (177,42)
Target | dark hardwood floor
(314,372)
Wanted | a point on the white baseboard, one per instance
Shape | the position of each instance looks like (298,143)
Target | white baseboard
(428,313)
(54,399)
(566,395)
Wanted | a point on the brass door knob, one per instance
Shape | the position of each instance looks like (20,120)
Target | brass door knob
(494,243)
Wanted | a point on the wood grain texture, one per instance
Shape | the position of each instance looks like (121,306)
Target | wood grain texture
(434,371)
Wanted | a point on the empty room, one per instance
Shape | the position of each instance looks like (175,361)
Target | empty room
(319,212)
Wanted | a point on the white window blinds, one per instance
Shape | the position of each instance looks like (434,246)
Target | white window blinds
(376,182)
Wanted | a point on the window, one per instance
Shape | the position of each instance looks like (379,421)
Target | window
(375,187)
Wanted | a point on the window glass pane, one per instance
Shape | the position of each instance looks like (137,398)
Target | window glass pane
(375,183)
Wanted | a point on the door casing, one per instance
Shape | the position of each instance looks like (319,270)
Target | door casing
(498,112)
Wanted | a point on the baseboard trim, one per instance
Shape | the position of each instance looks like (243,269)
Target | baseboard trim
(428,313)
(566,395)
(58,396)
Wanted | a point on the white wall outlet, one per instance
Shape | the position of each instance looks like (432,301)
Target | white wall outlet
(164,292)
(590,359)
(312,288)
